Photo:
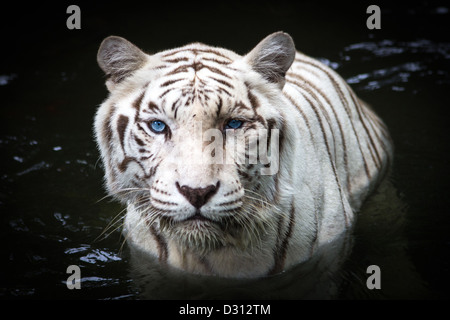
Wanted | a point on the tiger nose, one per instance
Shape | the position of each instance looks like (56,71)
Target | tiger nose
(198,196)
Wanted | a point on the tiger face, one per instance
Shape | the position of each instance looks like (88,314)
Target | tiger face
(190,138)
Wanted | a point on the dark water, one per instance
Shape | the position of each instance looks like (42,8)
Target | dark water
(52,204)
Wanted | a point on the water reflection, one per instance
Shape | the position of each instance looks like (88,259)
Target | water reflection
(391,48)
(95,256)
(5,79)
(36,167)
(420,59)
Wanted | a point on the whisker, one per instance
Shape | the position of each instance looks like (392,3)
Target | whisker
(133,189)
(258,198)
(111,224)
(149,212)
(266,206)
(120,226)
(127,235)
(103,198)
(124,191)
(119,218)
(254,218)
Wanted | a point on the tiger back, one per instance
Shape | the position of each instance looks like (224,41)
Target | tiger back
(197,202)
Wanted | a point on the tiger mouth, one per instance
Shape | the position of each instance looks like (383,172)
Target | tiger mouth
(202,233)
(197,232)
(200,222)
(199,217)
(196,221)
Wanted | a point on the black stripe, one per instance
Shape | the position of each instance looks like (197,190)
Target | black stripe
(198,66)
(138,141)
(341,131)
(137,105)
(107,132)
(238,106)
(146,158)
(302,115)
(329,157)
(165,92)
(153,107)
(324,112)
(281,250)
(385,165)
(152,170)
(270,125)
(372,143)
(216,70)
(345,104)
(163,251)
(195,51)
(160,66)
(311,137)
(225,83)
(176,60)
(122,124)
(371,119)
(183,68)
(222,90)
(219,106)
(254,102)
(244,174)
(169,82)
(122,166)
(216,61)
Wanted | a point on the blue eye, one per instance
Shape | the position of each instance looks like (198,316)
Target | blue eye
(157,126)
(233,124)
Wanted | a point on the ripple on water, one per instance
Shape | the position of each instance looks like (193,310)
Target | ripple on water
(419,60)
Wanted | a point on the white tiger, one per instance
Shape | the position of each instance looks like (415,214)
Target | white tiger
(228,219)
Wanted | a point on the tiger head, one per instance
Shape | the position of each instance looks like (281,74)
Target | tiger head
(183,133)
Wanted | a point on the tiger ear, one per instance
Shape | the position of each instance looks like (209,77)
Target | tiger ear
(119,58)
(272,57)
